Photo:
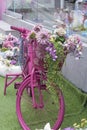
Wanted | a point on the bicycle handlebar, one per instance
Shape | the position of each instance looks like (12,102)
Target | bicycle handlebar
(21,30)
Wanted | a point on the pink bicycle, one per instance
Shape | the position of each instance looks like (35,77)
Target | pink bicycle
(38,101)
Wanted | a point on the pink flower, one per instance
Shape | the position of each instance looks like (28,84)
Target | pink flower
(37,28)
(43,37)
(74,45)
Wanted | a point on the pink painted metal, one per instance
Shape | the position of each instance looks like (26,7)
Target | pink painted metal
(10,78)
(33,75)
(61,104)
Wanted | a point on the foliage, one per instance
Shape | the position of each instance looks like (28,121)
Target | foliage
(55,45)
(81,126)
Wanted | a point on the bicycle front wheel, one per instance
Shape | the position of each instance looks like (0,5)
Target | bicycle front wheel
(52,112)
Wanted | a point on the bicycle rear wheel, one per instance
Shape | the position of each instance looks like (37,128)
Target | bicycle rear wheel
(52,112)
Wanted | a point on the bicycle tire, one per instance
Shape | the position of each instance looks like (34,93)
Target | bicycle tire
(21,117)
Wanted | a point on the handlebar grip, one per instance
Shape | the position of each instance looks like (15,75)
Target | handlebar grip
(21,30)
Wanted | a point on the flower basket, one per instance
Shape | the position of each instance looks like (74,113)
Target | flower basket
(51,49)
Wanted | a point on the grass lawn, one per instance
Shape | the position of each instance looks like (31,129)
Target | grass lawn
(75,102)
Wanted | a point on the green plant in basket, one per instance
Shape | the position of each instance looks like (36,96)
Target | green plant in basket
(58,38)
(64,46)
(54,47)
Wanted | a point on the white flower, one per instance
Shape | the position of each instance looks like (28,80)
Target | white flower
(9,53)
(60,31)
(47,127)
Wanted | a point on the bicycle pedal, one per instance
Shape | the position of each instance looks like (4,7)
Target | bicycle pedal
(16,85)
(43,87)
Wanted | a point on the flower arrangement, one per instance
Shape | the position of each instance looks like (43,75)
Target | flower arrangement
(74,45)
(10,41)
(55,45)
(42,36)
(58,38)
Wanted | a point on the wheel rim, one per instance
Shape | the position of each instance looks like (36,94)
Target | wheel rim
(51,108)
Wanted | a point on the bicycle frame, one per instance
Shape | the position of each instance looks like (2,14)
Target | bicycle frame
(36,70)
(33,76)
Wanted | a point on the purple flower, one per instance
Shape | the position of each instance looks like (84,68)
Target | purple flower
(52,51)
(43,38)
(37,28)
(74,45)
(68,128)
(13,62)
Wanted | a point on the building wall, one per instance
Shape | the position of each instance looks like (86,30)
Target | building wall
(76,70)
